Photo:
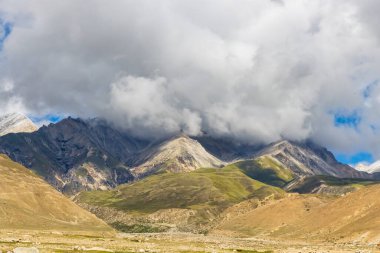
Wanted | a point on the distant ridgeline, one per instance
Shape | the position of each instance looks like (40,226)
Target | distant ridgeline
(75,155)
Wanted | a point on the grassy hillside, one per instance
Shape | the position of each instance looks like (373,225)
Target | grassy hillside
(197,196)
(194,190)
(265,169)
(314,184)
(28,202)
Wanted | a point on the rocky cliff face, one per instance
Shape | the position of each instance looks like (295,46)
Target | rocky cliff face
(309,159)
(227,149)
(74,154)
(16,123)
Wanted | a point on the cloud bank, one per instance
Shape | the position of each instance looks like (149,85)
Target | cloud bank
(255,70)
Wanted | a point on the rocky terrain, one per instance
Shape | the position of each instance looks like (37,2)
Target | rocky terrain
(286,196)
(16,123)
(228,149)
(308,159)
(75,155)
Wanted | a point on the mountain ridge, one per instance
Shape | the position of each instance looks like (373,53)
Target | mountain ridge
(75,155)
(308,159)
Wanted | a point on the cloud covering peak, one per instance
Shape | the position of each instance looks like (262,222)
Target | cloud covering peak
(255,70)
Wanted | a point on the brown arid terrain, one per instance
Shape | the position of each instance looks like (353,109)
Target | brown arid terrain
(238,208)
(354,217)
(37,218)
(28,202)
(55,241)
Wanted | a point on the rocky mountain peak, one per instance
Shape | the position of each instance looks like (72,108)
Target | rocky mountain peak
(16,123)
(75,155)
(177,154)
(307,159)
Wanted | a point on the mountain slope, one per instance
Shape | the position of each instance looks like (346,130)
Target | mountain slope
(178,154)
(353,217)
(74,154)
(187,201)
(329,185)
(16,123)
(308,159)
(227,149)
(27,202)
(265,170)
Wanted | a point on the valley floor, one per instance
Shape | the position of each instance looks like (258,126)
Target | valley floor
(174,242)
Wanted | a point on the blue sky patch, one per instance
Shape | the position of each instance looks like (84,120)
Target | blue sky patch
(6,29)
(369,88)
(351,120)
(355,158)
(49,118)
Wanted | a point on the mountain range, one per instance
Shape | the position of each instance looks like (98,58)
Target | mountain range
(75,155)
(177,183)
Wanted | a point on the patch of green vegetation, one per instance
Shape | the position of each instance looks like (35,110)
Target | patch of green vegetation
(265,169)
(203,188)
(333,181)
(138,228)
(310,183)
(81,236)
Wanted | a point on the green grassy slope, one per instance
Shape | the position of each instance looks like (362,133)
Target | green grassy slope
(204,188)
(266,170)
(308,184)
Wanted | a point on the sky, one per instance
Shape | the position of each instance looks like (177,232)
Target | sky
(255,70)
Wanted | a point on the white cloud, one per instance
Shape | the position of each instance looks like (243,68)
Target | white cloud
(256,70)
